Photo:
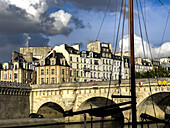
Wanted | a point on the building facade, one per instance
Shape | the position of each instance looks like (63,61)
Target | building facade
(21,69)
(53,69)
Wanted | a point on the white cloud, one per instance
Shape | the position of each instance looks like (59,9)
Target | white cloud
(61,19)
(30,16)
(164,51)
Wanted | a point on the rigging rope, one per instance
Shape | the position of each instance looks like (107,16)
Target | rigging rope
(120,76)
(114,53)
(144,52)
(145,30)
(163,35)
(165,6)
(103,19)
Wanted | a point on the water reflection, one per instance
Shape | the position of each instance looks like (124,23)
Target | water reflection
(109,124)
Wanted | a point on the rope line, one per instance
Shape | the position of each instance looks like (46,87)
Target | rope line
(103,19)
(114,53)
(163,35)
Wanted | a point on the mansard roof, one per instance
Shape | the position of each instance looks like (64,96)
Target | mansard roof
(71,50)
(57,57)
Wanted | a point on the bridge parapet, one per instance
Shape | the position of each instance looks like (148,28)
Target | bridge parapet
(12,84)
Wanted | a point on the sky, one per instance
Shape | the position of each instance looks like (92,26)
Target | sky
(54,22)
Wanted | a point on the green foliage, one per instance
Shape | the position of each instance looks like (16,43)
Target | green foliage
(157,72)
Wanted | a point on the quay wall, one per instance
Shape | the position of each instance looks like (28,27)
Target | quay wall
(14,102)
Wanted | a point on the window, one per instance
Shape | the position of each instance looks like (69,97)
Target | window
(42,71)
(116,76)
(25,75)
(63,71)
(71,65)
(81,73)
(52,80)
(15,75)
(103,61)
(70,58)
(62,62)
(47,80)
(5,67)
(77,59)
(10,76)
(52,62)
(42,63)
(103,68)
(15,66)
(77,66)
(42,80)
(52,71)
(77,73)
(103,75)
(84,60)
(90,61)
(63,79)
(70,72)
(96,62)
(47,71)
(5,75)
(84,74)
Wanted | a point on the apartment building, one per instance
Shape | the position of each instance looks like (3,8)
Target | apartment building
(21,69)
(53,69)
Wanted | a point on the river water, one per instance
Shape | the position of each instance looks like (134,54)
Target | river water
(109,124)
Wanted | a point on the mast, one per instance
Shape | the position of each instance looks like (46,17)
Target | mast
(133,85)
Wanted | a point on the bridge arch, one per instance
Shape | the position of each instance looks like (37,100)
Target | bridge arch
(160,101)
(96,102)
(40,102)
(51,109)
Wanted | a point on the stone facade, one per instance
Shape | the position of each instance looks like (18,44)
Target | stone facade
(53,69)
(37,52)
(14,101)
(75,95)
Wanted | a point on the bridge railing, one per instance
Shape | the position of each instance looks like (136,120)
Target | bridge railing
(12,84)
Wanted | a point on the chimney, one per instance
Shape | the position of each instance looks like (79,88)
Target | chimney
(54,52)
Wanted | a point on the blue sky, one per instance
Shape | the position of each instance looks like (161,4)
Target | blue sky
(51,22)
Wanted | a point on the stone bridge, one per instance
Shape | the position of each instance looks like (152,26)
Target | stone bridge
(52,100)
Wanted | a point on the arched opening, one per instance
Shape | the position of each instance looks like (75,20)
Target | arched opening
(157,103)
(97,102)
(51,109)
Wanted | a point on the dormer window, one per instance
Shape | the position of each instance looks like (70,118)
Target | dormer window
(52,62)
(63,62)
(42,63)
(15,66)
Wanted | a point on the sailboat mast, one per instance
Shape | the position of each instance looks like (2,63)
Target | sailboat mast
(133,85)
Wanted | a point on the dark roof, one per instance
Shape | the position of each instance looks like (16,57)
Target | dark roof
(94,55)
(71,50)
(146,63)
(57,57)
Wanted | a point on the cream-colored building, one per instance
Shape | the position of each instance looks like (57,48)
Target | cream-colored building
(53,69)
(20,69)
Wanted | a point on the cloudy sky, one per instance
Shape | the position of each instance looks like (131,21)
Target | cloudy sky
(51,22)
